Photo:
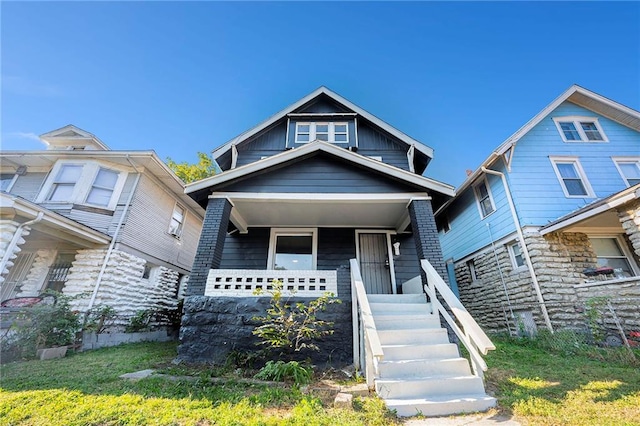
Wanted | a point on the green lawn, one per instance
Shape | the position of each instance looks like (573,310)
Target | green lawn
(84,389)
(535,386)
(542,387)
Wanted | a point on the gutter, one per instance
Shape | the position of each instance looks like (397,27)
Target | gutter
(14,240)
(114,237)
(525,251)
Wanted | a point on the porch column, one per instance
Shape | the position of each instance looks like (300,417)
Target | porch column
(209,253)
(425,235)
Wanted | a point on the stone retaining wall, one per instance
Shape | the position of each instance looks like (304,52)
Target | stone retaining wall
(214,327)
(96,341)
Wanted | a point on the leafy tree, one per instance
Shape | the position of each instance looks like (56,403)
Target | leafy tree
(188,172)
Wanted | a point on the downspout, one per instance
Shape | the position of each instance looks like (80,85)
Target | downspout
(16,237)
(525,250)
(115,237)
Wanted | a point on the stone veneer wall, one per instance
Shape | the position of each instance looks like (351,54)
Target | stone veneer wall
(32,285)
(629,216)
(122,286)
(7,231)
(624,298)
(212,327)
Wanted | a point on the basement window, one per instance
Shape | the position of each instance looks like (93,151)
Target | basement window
(515,252)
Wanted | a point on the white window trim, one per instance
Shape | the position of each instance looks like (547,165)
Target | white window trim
(512,256)
(13,181)
(83,186)
(477,197)
(623,246)
(581,174)
(312,131)
(576,122)
(617,160)
(275,232)
(178,234)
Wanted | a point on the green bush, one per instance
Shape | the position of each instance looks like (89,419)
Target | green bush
(99,318)
(139,322)
(281,371)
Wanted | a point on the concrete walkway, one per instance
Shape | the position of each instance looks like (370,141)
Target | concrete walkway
(491,418)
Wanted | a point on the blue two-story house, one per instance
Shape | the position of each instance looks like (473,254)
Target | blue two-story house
(325,197)
(550,218)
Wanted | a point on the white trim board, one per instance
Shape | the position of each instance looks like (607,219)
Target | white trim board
(320,146)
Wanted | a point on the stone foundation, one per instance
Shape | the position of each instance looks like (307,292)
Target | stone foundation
(629,216)
(214,327)
(33,283)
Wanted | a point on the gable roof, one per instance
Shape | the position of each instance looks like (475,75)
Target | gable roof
(320,146)
(574,94)
(70,133)
(323,91)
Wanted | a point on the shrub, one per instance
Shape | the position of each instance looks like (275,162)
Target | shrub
(99,318)
(139,322)
(281,371)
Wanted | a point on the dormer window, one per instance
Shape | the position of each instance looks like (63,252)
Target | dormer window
(328,131)
(580,129)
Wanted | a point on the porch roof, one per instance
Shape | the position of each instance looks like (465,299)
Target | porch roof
(598,214)
(52,223)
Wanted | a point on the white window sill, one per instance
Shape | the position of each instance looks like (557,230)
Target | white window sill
(613,281)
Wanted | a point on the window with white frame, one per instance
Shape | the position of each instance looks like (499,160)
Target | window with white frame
(6,180)
(83,183)
(580,129)
(572,178)
(629,169)
(327,131)
(293,249)
(515,253)
(610,252)
(177,220)
(484,198)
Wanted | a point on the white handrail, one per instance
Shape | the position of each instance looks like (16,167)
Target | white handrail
(471,334)
(362,310)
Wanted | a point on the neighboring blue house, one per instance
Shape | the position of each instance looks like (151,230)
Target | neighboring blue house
(318,193)
(554,201)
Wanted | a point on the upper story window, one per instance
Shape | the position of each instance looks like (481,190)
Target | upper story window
(629,169)
(580,129)
(515,253)
(177,221)
(83,183)
(327,131)
(6,181)
(572,178)
(484,198)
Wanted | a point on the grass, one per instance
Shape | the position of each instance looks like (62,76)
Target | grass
(573,387)
(84,389)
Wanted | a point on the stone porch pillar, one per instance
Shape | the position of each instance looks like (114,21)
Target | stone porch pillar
(425,235)
(209,253)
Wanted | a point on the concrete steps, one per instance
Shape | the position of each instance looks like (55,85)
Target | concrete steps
(422,372)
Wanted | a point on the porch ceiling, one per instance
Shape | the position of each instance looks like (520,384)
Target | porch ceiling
(321,210)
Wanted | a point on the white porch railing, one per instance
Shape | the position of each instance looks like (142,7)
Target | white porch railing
(244,282)
(367,350)
(466,328)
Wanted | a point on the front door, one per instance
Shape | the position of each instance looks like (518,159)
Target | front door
(375,265)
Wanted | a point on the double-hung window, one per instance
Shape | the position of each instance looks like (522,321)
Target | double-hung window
(629,169)
(515,253)
(571,177)
(580,129)
(64,183)
(484,198)
(103,187)
(610,253)
(177,221)
(293,249)
(323,131)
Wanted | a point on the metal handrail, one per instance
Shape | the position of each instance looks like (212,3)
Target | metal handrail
(367,350)
(469,332)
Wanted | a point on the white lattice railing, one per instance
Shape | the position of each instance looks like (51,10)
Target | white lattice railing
(244,282)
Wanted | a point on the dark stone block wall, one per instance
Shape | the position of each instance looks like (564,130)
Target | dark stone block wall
(212,327)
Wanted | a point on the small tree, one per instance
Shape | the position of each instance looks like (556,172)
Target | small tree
(293,327)
(204,168)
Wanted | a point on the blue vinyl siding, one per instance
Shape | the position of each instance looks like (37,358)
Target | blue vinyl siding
(469,231)
(246,251)
(321,174)
(322,104)
(270,142)
(536,190)
(406,265)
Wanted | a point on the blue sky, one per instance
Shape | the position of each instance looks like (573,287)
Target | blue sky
(186,77)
